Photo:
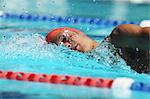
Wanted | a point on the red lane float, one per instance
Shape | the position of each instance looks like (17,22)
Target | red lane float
(57,79)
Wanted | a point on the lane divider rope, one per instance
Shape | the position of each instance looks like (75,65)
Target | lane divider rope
(68,19)
(118,83)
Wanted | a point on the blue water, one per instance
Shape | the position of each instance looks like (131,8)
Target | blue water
(108,9)
(22,49)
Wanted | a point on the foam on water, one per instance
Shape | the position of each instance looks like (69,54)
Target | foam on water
(34,48)
(30,53)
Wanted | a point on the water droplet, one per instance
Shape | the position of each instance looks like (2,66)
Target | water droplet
(1,13)
(72,4)
(94,0)
(137,49)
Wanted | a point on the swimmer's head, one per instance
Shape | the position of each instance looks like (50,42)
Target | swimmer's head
(71,38)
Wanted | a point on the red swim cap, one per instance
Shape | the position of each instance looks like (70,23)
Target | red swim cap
(54,32)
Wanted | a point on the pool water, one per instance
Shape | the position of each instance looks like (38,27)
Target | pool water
(23,48)
(108,9)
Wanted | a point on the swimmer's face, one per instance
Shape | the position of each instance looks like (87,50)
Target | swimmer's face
(74,41)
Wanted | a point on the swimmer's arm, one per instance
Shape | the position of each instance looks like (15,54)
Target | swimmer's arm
(131,36)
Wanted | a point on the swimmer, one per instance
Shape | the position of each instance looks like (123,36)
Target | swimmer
(131,41)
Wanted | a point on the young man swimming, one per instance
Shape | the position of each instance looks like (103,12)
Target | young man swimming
(131,41)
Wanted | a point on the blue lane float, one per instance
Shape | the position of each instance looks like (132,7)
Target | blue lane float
(68,19)
(140,86)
